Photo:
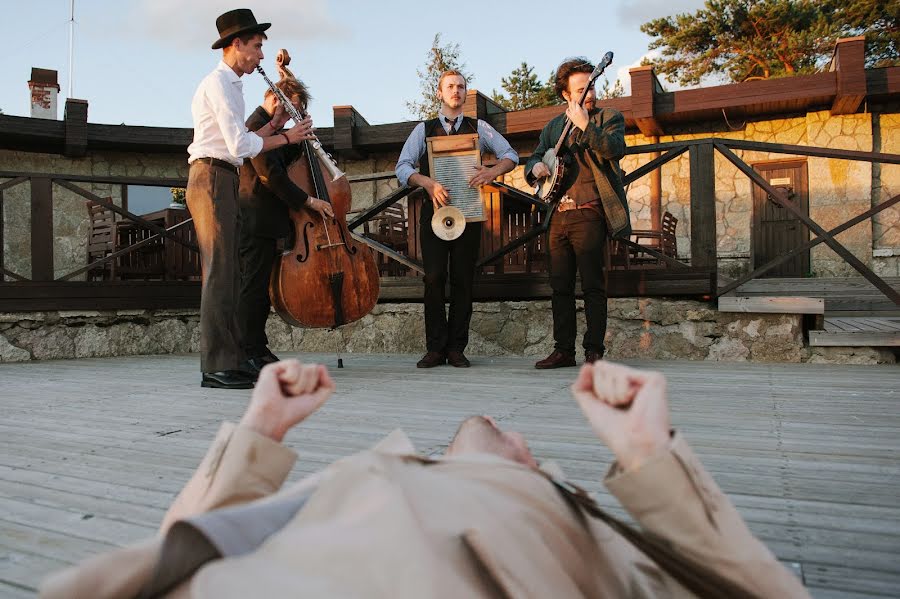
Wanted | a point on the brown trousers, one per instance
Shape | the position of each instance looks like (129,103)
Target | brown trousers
(212,198)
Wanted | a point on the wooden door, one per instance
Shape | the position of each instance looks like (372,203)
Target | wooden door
(775,230)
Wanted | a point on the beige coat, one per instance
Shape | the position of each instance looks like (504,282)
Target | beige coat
(385,523)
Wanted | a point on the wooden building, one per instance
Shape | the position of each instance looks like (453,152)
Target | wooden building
(827,142)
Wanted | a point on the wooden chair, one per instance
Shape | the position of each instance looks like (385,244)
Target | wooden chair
(101,241)
(108,235)
(662,240)
(618,255)
(390,228)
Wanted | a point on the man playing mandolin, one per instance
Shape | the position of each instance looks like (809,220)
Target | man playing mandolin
(266,194)
(593,208)
(447,336)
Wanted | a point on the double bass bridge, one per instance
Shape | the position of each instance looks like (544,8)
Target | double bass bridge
(325,246)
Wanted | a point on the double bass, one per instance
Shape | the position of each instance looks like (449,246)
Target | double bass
(326,278)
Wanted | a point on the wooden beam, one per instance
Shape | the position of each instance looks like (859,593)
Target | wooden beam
(849,66)
(2,229)
(76,116)
(703,206)
(12,183)
(655,164)
(644,86)
(41,229)
(346,121)
(772,305)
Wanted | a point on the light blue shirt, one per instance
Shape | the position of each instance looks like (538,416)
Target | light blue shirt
(414,148)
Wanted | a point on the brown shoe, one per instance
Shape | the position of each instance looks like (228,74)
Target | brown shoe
(557,359)
(457,359)
(432,359)
(591,356)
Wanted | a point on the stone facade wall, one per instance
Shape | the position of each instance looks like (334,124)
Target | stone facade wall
(885,185)
(70,217)
(840,189)
(638,328)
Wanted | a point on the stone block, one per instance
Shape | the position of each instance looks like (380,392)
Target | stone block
(851,355)
(728,349)
(11,353)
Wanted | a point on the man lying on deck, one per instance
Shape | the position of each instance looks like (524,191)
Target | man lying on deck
(482,521)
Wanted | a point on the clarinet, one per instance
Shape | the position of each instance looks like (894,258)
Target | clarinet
(297,116)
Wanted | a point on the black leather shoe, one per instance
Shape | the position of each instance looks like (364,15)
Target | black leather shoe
(227,379)
(591,356)
(557,359)
(269,358)
(458,359)
(252,366)
(432,359)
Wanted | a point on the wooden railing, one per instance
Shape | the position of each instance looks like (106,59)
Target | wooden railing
(511,261)
(702,208)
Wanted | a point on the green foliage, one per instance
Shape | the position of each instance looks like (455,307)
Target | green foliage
(877,20)
(605,92)
(524,90)
(177,195)
(439,58)
(759,39)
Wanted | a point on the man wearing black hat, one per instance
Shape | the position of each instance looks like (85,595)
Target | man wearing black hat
(221,143)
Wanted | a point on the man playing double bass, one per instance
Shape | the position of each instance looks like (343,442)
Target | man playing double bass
(593,208)
(266,195)
(446,336)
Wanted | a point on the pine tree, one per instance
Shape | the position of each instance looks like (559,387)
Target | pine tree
(605,93)
(523,90)
(440,58)
(745,39)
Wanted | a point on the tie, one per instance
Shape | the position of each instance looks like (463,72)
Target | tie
(452,123)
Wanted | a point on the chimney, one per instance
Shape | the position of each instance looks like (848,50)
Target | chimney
(44,89)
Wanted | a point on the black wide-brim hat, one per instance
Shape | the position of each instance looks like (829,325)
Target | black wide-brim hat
(236,22)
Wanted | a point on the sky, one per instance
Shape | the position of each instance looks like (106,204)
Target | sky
(138,61)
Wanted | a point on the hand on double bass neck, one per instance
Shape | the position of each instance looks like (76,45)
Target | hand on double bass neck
(320,206)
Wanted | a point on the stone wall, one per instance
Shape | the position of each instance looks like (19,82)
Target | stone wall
(840,189)
(885,185)
(638,328)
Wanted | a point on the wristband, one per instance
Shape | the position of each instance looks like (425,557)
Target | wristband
(287,139)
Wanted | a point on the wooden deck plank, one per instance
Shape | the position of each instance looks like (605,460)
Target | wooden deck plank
(810,454)
(772,305)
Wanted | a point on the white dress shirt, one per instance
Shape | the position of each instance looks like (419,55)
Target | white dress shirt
(218,112)
(414,149)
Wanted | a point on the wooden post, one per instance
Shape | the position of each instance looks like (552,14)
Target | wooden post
(644,88)
(76,116)
(849,66)
(703,206)
(656,191)
(41,229)
(2,227)
(346,120)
